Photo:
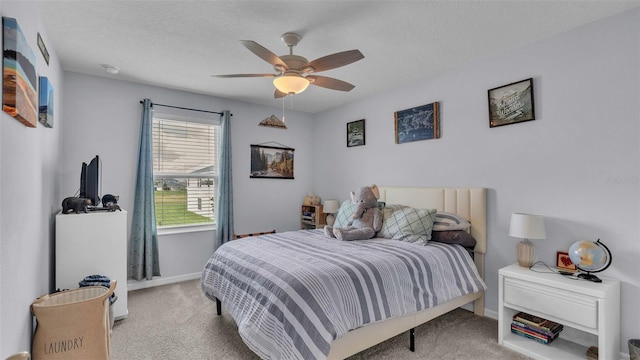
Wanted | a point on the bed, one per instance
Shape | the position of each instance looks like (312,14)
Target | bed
(248,300)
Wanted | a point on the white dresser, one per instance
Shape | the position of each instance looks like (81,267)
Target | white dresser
(89,244)
(590,312)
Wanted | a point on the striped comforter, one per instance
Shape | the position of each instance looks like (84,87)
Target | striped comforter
(291,294)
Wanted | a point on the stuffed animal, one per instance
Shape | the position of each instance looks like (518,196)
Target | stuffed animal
(75,204)
(109,200)
(367,219)
(113,207)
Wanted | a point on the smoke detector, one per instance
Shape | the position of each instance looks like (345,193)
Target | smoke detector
(110,69)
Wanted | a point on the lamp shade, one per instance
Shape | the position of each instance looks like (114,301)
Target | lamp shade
(291,83)
(527,226)
(330,206)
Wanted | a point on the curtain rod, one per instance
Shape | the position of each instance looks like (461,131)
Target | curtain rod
(184,108)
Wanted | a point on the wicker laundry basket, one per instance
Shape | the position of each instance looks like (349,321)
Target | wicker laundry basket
(73,324)
(634,349)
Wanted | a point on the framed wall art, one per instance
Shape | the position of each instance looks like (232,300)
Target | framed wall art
(355,133)
(43,49)
(271,162)
(564,263)
(512,103)
(418,123)
(19,79)
(45,102)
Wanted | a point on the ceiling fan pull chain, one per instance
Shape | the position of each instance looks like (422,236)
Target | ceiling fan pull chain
(283,109)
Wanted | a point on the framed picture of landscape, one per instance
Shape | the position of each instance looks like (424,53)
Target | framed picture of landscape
(19,79)
(271,162)
(511,103)
(418,123)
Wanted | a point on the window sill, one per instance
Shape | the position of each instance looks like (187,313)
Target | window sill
(185,229)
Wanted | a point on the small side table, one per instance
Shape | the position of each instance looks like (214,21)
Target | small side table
(586,309)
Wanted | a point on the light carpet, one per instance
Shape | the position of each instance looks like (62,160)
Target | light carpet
(177,321)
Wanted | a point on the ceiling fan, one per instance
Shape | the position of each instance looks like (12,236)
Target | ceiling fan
(293,72)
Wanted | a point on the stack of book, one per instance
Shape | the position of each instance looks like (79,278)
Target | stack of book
(536,328)
(308,216)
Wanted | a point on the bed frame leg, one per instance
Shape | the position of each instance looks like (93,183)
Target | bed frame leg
(218,306)
(412,339)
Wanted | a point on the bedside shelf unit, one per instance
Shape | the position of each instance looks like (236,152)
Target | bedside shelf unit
(586,309)
(93,244)
(312,217)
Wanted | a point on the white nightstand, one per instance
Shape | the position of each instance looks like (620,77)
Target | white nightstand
(590,312)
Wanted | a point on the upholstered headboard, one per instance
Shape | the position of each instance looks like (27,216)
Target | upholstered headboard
(471,203)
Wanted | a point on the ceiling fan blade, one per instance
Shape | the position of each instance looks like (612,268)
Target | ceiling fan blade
(335,60)
(330,83)
(264,53)
(278,94)
(244,75)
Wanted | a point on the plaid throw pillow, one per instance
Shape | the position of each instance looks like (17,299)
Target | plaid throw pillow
(345,214)
(387,215)
(411,225)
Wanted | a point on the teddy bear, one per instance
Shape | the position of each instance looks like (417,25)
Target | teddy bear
(367,219)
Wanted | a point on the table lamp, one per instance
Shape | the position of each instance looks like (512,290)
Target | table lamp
(527,226)
(330,207)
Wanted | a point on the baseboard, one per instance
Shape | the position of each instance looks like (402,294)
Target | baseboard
(490,314)
(487,313)
(144,284)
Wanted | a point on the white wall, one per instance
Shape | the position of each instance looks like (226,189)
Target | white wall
(577,163)
(103,118)
(29,194)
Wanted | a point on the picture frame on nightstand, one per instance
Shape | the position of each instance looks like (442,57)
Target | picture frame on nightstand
(564,263)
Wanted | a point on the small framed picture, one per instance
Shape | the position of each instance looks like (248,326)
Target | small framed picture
(45,102)
(418,123)
(564,263)
(355,133)
(512,103)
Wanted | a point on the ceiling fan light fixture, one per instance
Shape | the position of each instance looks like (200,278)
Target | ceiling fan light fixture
(291,83)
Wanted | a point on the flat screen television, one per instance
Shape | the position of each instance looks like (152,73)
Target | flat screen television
(90,184)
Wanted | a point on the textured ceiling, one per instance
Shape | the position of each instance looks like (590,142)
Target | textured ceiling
(179,44)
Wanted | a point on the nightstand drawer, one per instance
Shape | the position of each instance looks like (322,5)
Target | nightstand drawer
(562,304)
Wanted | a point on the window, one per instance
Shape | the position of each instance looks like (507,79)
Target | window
(185,172)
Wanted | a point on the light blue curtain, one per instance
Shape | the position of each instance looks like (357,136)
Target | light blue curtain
(224,198)
(143,245)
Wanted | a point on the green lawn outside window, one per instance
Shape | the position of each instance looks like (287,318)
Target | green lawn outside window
(171,209)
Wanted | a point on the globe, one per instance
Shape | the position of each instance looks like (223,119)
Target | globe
(590,257)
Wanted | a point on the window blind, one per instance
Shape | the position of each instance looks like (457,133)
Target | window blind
(185,172)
